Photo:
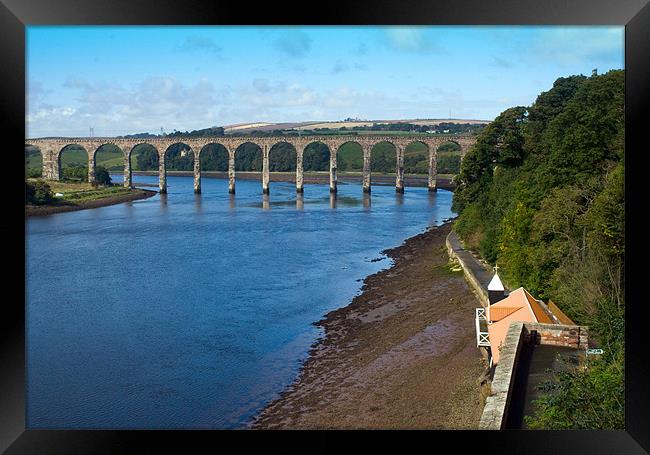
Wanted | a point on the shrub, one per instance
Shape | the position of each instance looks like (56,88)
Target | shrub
(38,193)
(102,177)
(76,173)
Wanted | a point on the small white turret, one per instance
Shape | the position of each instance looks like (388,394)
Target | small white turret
(496,291)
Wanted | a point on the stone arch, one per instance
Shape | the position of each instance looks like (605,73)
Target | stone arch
(448,160)
(449,141)
(417,141)
(313,158)
(103,144)
(417,155)
(381,159)
(214,156)
(179,156)
(130,152)
(246,157)
(282,163)
(384,160)
(116,163)
(67,148)
(345,159)
(153,159)
(250,156)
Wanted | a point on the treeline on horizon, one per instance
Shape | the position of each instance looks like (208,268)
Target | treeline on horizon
(542,194)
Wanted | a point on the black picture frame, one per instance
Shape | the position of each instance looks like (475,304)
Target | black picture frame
(633,14)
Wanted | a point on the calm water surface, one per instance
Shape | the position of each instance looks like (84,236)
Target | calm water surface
(195,311)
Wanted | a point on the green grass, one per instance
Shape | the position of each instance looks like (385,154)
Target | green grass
(98,193)
(76,192)
(449,269)
(111,159)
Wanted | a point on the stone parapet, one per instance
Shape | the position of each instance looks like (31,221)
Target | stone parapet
(496,405)
(469,266)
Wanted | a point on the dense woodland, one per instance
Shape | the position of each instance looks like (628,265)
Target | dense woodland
(542,194)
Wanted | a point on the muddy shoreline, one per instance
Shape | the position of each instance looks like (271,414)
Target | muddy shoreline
(401,355)
(134,195)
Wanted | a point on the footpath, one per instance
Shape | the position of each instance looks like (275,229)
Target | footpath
(477,272)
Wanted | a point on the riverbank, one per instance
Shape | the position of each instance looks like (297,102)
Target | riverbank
(402,354)
(443,181)
(68,206)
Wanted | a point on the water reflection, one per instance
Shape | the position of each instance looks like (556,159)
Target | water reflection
(222,331)
(432,198)
(399,198)
(366,200)
(332,200)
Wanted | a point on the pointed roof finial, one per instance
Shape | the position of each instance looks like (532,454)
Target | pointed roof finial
(495,283)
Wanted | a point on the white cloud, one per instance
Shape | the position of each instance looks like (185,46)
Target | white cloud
(114,110)
(577,45)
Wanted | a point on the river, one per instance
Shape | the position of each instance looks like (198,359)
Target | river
(194,311)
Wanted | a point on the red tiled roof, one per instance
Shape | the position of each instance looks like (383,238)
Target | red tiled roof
(539,312)
(563,318)
(500,312)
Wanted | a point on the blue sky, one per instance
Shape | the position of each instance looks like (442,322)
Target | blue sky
(123,80)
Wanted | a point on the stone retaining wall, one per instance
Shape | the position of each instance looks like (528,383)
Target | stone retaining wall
(495,411)
(480,292)
(496,405)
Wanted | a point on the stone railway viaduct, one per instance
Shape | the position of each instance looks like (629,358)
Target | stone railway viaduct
(51,150)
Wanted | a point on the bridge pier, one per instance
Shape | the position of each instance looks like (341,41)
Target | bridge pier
(162,173)
(265,169)
(399,172)
(51,169)
(299,173)
(197,173)
(366,170)
(51,149)
(91,166)
(128,174)
(333,178)
(231,172)
(432,170)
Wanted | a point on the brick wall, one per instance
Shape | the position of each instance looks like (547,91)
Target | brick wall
(572,336)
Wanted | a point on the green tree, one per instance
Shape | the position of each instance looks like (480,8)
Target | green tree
(147,159)
(77,173)
(542,193)
(38,193)
(102,177)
